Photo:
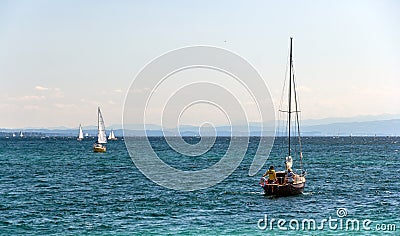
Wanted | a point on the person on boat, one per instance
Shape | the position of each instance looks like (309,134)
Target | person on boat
(290,176)
(271,175)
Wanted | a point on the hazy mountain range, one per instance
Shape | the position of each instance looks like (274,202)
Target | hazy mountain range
(355,126)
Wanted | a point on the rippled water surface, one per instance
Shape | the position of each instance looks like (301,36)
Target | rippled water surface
(59,186)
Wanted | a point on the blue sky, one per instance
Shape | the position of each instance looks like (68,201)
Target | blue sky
(60,59)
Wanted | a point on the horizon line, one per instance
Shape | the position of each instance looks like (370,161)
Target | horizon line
(120,126)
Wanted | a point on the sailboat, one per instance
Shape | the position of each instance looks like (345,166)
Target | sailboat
(288,182)
(80,137)
(13,135)
(21,134)
(101,134)
(112,136)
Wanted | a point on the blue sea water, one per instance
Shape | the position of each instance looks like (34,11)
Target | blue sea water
(59,186)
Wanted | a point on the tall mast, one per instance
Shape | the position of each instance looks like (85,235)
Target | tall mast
(290,93)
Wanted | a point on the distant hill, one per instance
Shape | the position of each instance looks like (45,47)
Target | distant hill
(379,128)
(360,118)
(364,128)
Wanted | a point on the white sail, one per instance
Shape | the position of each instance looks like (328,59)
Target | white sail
(111,136)
(13,135)
(101,136)
(80,132)
(21,134)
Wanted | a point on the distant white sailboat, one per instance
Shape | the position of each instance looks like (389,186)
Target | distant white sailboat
(13,135)
(101,133)
(112,136)
(80,137)
(21,134)
(86,135)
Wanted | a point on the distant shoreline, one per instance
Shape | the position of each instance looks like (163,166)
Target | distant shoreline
(40,135)
(364,128)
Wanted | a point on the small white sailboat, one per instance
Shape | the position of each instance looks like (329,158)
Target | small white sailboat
(101,134)
(21,134)
(80,137)
(13,135)
(112,136)
(86,135)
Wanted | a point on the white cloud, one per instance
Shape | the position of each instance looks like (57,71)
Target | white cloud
(28,98)
(140,90)
(57,93)
(304,89)
(54,92)
(62,105)
(31,107)
(41,88)
(91,102)
(4,105)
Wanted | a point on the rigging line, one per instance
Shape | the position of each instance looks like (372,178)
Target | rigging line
(279,127)
(298,125)
(280,131)
(282,95)
(298,98)
(285,135)
(284,82)
(297,120)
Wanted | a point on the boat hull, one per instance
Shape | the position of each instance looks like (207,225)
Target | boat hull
(99,148)
(284,189)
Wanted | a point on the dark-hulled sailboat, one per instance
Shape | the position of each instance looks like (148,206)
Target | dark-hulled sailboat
(288,182)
